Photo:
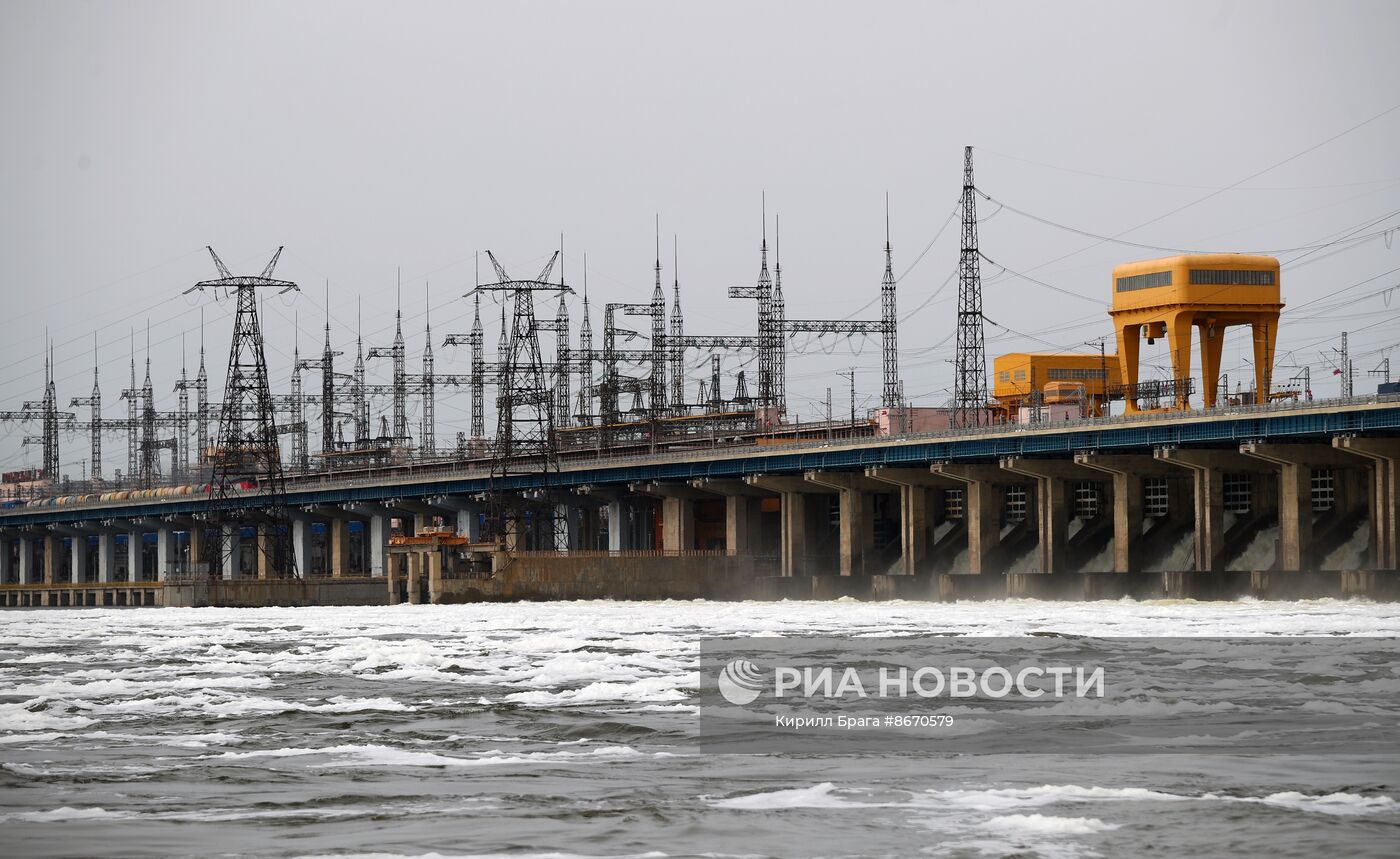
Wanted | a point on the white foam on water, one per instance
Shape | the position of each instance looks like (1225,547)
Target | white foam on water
(191,741)
(120,686)
(21,717)
(646,690)
(1335,804)
(373,755)
(650,855)
(817,796)
(997,799)
(668,708)
(1039,824)
(54,815)
(994,799)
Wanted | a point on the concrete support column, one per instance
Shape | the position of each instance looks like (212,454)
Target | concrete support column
(265,560)
(857,524)
(616,515)
(677,512)
(135,556)
(165,551)
(1295,516)
(915,527)
(53,544)
(301,545)
(79,557)
(794,533)
(1208,468)
(794,536)
(469,522)
(1209,499)
(389,568)
(1052,522)
(677,524)
(231,553)
(26,560)
(1052,506)
(415,576)
(106,557)
(982,510)
(377,545)
(432,568)
(338,547)
(1127,473)
(1384,500)
(196,548)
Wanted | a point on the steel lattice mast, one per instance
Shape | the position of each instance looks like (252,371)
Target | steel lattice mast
(525,442)
(970,386)
(675,344)
(656,396)
(889,326)
(399,386)
(247,448)
(769,341)
(585,359)
(428,429)
(777,320)
(326,365)
(477,342)
(94,403)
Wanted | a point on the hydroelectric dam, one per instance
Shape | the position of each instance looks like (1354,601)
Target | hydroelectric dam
(1287,500)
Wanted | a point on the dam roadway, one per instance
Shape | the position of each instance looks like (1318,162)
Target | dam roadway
(1292,499)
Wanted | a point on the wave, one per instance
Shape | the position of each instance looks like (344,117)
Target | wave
(817,796)
(1039,824)
(373,755)
(55,815)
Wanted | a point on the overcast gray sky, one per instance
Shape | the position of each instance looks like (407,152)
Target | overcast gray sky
(372,137)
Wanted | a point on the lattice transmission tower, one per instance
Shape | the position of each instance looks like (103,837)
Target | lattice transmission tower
(525,442)
(247,485)
(970,386)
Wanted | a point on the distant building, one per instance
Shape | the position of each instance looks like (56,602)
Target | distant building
(1071,382)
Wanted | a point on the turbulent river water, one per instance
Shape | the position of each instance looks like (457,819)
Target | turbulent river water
(568,729)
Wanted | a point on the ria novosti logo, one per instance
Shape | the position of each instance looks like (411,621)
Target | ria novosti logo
(741,682)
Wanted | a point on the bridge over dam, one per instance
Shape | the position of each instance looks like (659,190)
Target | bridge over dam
(1286,500)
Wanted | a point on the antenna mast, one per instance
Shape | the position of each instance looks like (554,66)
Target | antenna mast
(970,386)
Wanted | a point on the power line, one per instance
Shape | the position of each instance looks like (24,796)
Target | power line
(1114,239)
(1183,184)
(1231,186)
(1049,286)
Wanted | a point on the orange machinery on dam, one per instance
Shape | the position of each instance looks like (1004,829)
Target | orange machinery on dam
(1168,297)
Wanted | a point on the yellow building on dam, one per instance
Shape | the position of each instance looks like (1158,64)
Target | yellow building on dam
(1168,297)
